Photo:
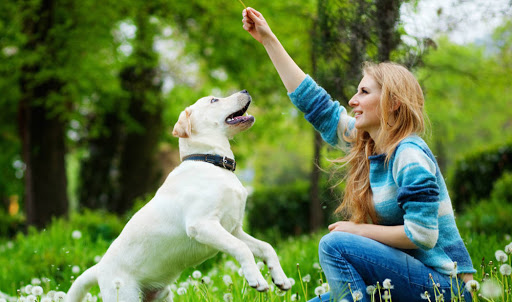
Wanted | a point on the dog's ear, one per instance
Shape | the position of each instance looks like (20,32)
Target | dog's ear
(183,127)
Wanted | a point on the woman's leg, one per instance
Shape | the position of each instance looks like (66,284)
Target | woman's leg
(358,262)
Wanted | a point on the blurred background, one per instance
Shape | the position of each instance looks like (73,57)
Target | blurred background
(90,90)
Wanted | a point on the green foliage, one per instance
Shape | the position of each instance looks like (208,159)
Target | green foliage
(502,190)
(474,175)
(284,209)
(52,252)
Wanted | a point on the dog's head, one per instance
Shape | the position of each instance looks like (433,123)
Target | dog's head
(211,114)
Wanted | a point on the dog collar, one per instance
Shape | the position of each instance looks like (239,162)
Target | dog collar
(217,160)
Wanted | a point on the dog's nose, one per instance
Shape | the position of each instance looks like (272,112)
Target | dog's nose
(245,91)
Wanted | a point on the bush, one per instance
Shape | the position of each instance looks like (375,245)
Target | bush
(286,208)
(491,216)
(474,176)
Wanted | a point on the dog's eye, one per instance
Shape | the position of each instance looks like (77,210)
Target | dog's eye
(213,100)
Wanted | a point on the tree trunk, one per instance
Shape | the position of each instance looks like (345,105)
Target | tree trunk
(42,133)
(316,215)
(388,14)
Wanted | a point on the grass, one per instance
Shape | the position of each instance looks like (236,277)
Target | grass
(47,261)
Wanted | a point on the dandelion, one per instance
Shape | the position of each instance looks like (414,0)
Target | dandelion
(36,281)
(3,300)
(45,299)
(491,289)
(240,272)
(227,280)
(294,297)
(357,295)
(317,266)
(97,259)
(260,265)
(472,286)
(280,293)
(196,274)
(425,296)
(370,289)
(228,297)
(508,248)
(505,270)
(292,281)
(75,269)
(31,298)
(181,291)
(28,289)
(386,296)
(320,290)
(207,280)
(76,234)
(326,286)
(501,256)
(307,278)
(59,296)
(118,283)
(37,290)
(387,284)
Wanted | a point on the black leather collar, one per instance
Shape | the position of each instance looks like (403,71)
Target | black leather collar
(217,160)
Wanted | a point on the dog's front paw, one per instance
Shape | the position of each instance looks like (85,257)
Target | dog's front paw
(279,278)
(256,281)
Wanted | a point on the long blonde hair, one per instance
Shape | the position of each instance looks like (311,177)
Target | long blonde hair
(400,91)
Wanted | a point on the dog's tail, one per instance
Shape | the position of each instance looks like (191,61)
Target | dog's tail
(81,286)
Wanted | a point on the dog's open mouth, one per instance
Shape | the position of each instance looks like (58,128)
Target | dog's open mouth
(239,117)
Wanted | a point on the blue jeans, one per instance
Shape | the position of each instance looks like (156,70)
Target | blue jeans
(358,262)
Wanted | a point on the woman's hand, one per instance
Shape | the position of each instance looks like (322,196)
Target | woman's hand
(347,227)
(256,25)
(390,235)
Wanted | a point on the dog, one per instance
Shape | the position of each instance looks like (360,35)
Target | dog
(197,212)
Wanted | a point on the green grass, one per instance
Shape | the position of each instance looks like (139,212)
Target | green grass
(48,258)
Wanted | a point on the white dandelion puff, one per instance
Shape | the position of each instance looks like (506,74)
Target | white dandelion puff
(306,278)
(31,298)
(76,234)
(491,289)
(36,281)
(425,296)
(280,293)
(320,290)
(37,290)
(118,283)
(508,248)
(97,259)
(386,296)
(228,297)
(227,280)
(181,291)
(207,280)
(316,265)
(505,270)
(28,289)
(501,256)
(357,295)
(3,300)
(387,284)
(59,296)
(292,281)
(295,297)
(472,286)
(370,289)
(240,272)
(75,269)
(260,265)
(45,299)
(326,286)
(196,275)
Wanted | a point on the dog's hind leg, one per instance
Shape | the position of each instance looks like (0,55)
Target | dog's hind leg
(211,233)
(163,295)
(265,251)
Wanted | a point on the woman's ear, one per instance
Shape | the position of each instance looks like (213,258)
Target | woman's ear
(395,104)
(183,127)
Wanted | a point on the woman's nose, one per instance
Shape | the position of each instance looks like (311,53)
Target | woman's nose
(352,102)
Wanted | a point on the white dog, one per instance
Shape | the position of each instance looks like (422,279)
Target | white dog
(197,212)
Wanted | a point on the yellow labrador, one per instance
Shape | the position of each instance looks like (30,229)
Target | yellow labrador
(197,212)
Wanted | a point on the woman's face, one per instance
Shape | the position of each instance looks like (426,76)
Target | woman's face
(366,108)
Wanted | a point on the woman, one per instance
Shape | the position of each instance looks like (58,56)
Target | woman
(401,226)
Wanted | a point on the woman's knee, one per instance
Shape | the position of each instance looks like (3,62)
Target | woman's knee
(337,244)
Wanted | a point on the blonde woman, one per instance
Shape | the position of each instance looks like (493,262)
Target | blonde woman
(401,233)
